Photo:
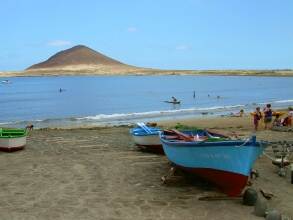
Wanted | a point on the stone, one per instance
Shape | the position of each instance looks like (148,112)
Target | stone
(273,215)
(260,207)
(250,197)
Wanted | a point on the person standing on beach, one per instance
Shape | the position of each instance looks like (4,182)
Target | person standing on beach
(256,118)
(268,114)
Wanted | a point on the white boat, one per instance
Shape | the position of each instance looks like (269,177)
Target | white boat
(147,138)
(5,81)
(12,139)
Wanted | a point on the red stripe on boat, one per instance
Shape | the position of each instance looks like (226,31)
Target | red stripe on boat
(11,149)
(230,183)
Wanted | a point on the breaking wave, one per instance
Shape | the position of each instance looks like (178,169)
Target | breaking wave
(130,118)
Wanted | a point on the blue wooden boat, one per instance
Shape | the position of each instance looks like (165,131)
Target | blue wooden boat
(147,138)
(226,163)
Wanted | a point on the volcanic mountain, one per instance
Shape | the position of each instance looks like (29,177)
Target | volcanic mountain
(81,58)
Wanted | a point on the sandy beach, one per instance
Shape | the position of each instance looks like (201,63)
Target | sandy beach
(98,173)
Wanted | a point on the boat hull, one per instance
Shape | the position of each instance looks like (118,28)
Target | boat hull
(227,164)
(149,143)
(232,184)
(147,138)
(12,144)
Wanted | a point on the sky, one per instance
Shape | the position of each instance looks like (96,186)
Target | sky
(167,34)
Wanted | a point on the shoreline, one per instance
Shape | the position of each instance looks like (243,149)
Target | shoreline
(188,119)
(246,121)
(147,72)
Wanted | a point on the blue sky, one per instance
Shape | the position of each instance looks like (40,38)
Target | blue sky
(168,34)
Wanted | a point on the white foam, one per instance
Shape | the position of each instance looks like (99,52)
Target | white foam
(157,113)
(284,101)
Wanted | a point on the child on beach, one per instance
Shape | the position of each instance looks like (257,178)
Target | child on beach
(268,113)
(238,114)
(277,121)
(256,118)
(287,121)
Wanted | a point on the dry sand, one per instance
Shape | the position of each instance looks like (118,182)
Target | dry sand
(99,174)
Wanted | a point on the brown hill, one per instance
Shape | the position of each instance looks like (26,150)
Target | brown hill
(77,55)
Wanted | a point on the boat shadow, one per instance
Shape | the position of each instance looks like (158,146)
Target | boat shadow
(178,177)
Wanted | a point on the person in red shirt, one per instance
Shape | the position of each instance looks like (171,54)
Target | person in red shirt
(268,116)
(256,118)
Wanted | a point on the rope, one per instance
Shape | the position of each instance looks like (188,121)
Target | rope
(245,142)
(268,156)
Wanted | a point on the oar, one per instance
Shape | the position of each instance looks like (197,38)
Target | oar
(144,127)
(182,135)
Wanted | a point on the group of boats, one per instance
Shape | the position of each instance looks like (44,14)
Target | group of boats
(215,157)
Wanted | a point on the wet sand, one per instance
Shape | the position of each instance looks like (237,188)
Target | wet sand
(99,174)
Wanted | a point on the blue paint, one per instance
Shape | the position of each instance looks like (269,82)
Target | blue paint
(231,156)
(141,132)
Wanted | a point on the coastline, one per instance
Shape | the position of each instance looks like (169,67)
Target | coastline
(108,71)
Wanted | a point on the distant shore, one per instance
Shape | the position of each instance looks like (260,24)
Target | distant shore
(116,70)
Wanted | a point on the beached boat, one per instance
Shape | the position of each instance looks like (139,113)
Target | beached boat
(147,137)
(226,163)
(12,139)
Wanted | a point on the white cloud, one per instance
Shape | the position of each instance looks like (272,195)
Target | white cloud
(132,29)
(59,43)
(182,47)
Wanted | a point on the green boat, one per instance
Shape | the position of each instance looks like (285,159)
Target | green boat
(12,139)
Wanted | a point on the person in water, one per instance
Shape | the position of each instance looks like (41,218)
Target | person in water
(174,99)
(268,114)
(256,118)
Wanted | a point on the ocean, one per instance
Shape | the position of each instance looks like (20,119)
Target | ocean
(122,100)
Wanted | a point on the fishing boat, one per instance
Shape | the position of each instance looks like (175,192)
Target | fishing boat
(173,102)
(12,139)
(5,81)
(147,138)
(226,163)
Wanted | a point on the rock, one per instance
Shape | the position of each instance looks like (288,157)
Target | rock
(260,207)
(250,197)
(273,215)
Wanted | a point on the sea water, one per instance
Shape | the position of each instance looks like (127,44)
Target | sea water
(76,101)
